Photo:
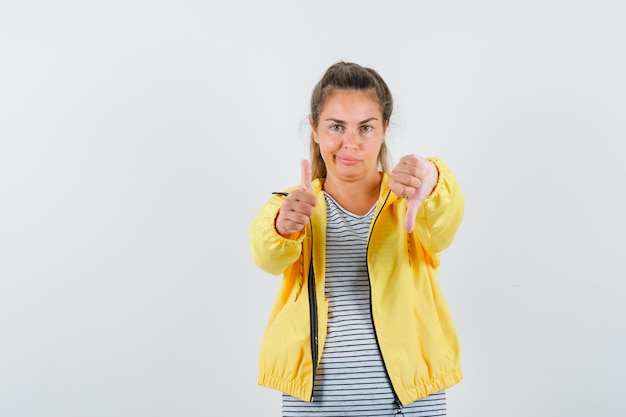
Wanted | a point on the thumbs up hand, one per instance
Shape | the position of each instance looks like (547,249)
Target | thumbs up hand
(413,178)
(297,206)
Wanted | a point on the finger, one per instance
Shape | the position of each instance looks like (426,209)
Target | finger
(305,169)
(287,227)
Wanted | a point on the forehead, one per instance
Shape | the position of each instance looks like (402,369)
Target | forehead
(352,102)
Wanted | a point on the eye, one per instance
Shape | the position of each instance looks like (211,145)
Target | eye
(336,128)
(366,128)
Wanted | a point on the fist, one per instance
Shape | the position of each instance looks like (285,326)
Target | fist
(297,207)
(414,178)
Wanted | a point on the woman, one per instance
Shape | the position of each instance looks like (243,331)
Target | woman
(360,326)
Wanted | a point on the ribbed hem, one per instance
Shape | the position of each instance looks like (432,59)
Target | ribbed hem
(410,394)
(293,388)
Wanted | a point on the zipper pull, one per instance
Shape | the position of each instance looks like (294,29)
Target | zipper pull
(399,412)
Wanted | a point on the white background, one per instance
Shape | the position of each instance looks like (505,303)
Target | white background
(138,139)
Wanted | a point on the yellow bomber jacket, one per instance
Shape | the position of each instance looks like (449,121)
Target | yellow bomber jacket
(413,325)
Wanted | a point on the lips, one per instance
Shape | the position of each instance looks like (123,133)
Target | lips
(346,160)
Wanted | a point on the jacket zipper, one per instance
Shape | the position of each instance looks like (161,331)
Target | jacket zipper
(313,315)
(395,395)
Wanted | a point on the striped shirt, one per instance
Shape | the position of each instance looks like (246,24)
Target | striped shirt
(351,379)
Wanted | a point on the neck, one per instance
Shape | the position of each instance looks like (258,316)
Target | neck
(356,196)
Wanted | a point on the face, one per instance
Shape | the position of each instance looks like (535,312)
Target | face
(350,132)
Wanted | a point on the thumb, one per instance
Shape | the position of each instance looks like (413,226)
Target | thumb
(415,201)
(305,170)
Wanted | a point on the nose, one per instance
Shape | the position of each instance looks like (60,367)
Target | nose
(350,140)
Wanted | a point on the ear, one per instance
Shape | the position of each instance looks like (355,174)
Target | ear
(313,129)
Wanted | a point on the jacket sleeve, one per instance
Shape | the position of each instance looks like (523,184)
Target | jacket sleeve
(272,252)
(439,217)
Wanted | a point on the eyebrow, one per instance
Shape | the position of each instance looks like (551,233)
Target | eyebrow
(343,122)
